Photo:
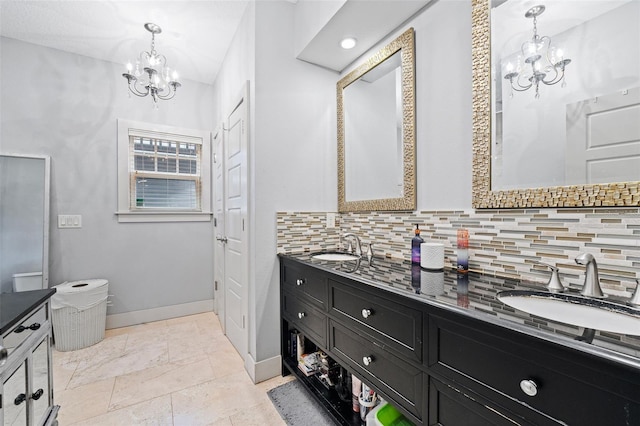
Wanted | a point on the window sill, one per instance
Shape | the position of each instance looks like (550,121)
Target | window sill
(142,217)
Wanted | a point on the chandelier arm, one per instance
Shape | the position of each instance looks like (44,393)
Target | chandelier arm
(558,75)
(171,94)
(556,78)
(522,87)
(136,91)
(173,88)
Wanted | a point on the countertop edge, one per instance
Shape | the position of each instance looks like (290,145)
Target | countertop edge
(608,354)
(33,298)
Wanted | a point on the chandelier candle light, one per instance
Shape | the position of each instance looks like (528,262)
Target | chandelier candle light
(547,63)
(151,74)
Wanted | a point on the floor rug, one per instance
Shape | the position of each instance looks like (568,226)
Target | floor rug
(297,407)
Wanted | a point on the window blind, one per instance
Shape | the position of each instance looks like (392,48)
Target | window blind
(164,173)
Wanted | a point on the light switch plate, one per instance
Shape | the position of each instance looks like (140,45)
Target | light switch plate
(69,221)
(331,220)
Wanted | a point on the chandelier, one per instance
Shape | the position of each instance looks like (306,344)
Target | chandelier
(151,75)
(543,63)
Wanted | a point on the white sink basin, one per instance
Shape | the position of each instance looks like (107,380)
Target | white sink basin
(597,314)
(335,257)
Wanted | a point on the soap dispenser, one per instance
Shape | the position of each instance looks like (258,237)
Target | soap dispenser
(415,246)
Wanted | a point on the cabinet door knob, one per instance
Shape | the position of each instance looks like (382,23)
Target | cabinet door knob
(301,315)
(366,360)
(20,399)
(529,387)
(366,313)
(3,355)
(300,281)
(37,394)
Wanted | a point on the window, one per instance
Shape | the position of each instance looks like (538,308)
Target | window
(163,173)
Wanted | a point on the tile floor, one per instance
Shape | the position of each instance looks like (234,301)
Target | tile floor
(181,371)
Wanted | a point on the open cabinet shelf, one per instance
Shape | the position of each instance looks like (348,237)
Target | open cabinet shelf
(340,411)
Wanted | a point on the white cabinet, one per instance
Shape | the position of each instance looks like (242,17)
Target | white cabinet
(26,390)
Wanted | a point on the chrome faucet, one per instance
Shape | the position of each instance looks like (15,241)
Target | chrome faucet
(591,286)
(357,239)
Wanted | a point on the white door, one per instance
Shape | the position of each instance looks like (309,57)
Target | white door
(603,137)
(218,222)
(235,224)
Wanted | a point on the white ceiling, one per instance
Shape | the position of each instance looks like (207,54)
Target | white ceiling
(195,34)
(367,21)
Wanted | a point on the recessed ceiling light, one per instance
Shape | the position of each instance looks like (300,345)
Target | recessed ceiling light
(348,43)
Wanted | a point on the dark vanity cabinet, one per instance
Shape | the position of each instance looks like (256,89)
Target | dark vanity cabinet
(530,380)
(443,365)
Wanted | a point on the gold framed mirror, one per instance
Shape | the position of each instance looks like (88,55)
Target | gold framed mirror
(490,81)
(376,131)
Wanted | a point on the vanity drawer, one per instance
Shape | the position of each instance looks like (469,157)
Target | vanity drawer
(397,325)
(488,358)
(306,282)
(13,338)
(399,380)
(306,318)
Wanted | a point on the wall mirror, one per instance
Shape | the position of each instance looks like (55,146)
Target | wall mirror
(376,131)
(556,99)
(24,219)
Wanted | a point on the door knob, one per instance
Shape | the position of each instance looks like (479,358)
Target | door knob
(366,313)
(366,360)
(301,315)
(529,387)
(37,394)
(300,281)
(221,239)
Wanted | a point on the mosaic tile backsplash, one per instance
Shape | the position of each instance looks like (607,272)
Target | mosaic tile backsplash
(509,243)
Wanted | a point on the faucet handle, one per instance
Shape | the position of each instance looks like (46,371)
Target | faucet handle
(554,285)
(635,297)
(370,252)
(350,248)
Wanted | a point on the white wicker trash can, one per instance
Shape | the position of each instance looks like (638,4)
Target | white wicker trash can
(79,313)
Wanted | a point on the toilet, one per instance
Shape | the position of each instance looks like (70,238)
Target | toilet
(27,281)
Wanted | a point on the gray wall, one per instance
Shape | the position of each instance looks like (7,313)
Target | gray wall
(66,106)
(295,136)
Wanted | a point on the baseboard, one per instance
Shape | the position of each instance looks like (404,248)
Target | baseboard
(263,370)
(158,314)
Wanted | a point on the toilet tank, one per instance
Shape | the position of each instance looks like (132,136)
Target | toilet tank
(27,281)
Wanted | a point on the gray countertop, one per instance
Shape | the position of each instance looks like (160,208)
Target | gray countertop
(474,295)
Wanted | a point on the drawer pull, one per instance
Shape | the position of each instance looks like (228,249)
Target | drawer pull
(300,281)
(366,313)
(301,315)
(21,328)
(20,399)
(529,387)
(367,360)
(37,394)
